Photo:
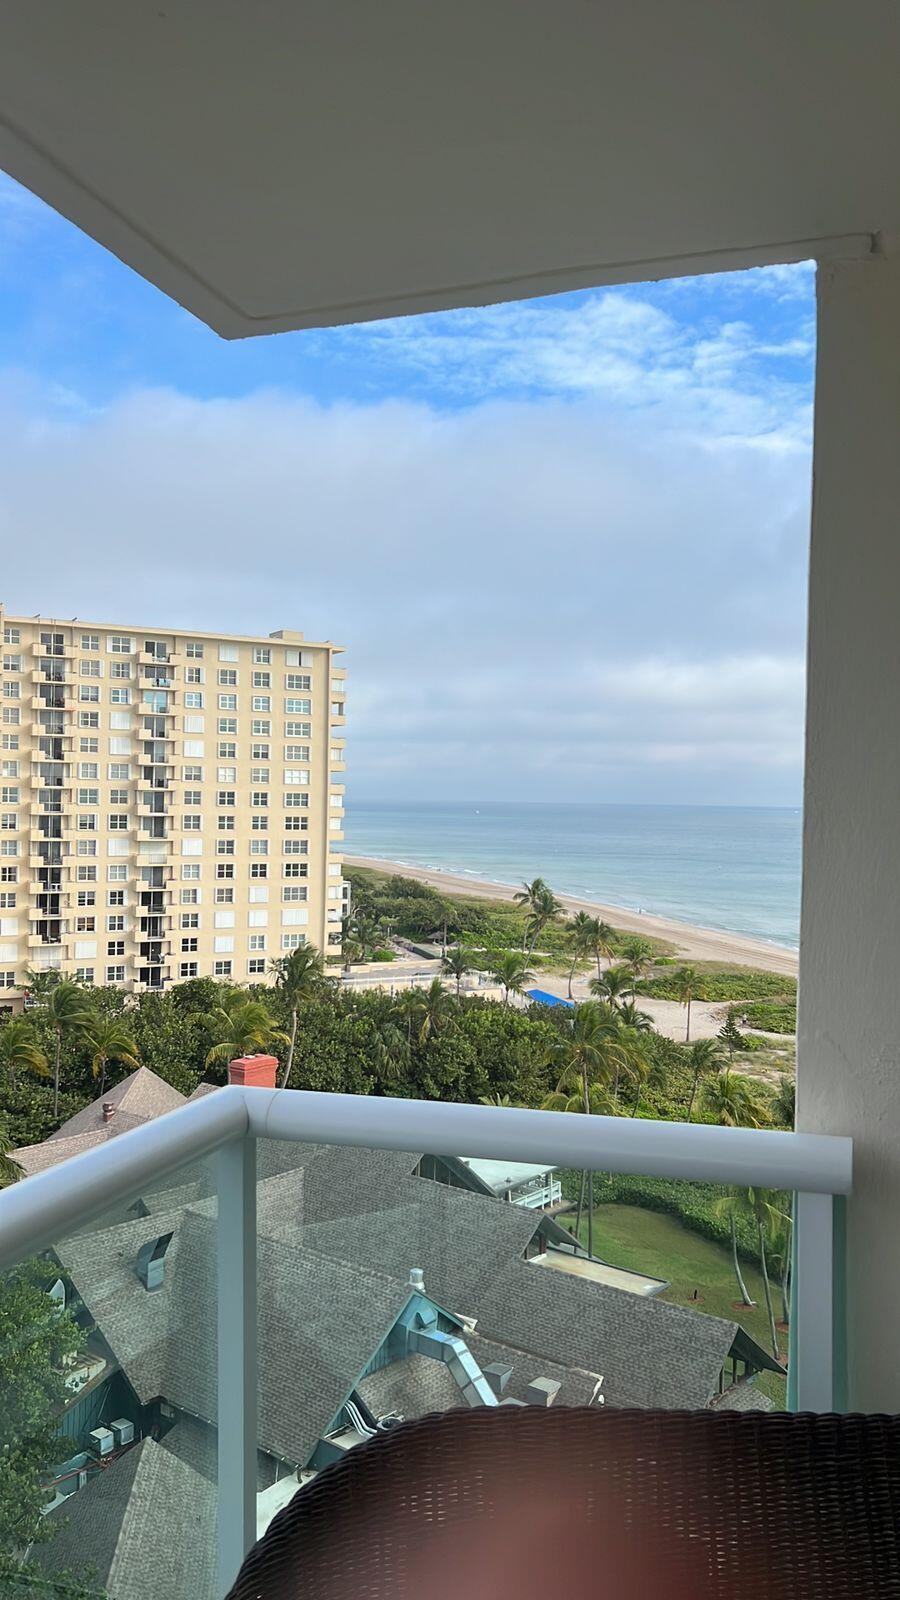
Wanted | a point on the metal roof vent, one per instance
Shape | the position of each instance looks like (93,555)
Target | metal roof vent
(417,1279)
(150,1264)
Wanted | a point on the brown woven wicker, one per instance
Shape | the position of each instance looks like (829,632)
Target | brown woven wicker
(526,1504)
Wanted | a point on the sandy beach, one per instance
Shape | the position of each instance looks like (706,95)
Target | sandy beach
(692,943)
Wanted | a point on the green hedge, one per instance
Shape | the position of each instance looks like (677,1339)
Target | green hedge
(692,1203)
(724,986)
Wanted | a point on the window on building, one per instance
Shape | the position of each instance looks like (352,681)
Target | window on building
(120,669)
(225,897)
(225,797)
(298,708)
(297,680)
(296,752)
(294,892)
(296,775)
(118,771)
(259,869)
(262,655)
(90,641)
(295,869)
(11,716)
(11,635)
(9,874)
(190,869)
(120,697)
(226,775)
(118,821)
(261,726)
(228,652)
(88,769)
(262,680)
(225,822)
(297,801)
(115,974)
(259,847)
(192,775)
(259,798)
(118,797)
(227,677)
(224,869)
(188,945)
(115,923)
(84,974)
(261,702)
(193,699)
(115,947)
(117,873)
(190,919)
(188,969)
(227,725)
(222,969)
(193,674)
(259,752)
(256,966)
(194,649)
(259,822)
(192,797)
(88,797)
(120,644)
(88,719)
(115,897)
(90,669)
(89,691)
(293,941)
(192,822)
(190,897)
(227,751)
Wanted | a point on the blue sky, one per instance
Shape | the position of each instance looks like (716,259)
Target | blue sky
(564,541)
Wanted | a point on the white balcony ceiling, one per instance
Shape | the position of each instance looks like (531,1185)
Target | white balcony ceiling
(289,163)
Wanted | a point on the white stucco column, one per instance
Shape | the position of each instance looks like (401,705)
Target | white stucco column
(849,1030)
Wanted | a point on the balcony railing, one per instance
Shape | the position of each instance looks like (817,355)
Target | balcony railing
(57,1202)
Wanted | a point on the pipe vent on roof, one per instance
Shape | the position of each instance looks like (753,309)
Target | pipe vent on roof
(417,1279)
(151,1261)
(109,1110)
(498,1375)
(542,1391)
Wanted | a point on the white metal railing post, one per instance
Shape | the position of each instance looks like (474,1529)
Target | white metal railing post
(236,1344)
(816,1305)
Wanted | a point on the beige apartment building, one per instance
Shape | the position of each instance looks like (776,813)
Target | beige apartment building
(171,803)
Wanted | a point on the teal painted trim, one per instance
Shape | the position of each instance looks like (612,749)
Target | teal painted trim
(839,1303)
(792,1327)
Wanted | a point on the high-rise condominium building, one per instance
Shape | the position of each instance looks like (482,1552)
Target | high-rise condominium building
(171,804)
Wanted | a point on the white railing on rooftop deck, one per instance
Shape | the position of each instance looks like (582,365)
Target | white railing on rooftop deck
(43,1208)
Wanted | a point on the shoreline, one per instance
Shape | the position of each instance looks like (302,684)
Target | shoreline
(691,941)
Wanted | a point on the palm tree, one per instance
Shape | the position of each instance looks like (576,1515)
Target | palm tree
(512,974)
(496,1100)
(636,953)
(734,1101)
(637,1063)
(784,1102)
(631,1017)
(586,1058)
(366,930)
(545,908)
(529,898)
(614,983)
(581,941)
(705,1057)
(730,1205)
(241,1027)
(20,1051)
(685,981)
(10,1170)
(761,1209)
(298,976)
(68,1013)
(456,965)
(604,942)
(109,1039)
(435,1008)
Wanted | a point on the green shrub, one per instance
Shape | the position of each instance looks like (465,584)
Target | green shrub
(725,985)
(773,1016)
(382,955)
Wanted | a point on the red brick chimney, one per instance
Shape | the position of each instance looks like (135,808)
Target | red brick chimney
(109,1110)
(256,1072)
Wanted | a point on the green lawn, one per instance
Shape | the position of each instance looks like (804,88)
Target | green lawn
(660,1245)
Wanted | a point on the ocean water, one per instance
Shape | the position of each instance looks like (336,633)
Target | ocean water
(731,867)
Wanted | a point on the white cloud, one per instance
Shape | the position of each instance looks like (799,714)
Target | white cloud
(543,598)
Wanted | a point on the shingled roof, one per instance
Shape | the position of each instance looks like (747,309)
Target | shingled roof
(145,1524)
(141,1096)
(320,1322)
